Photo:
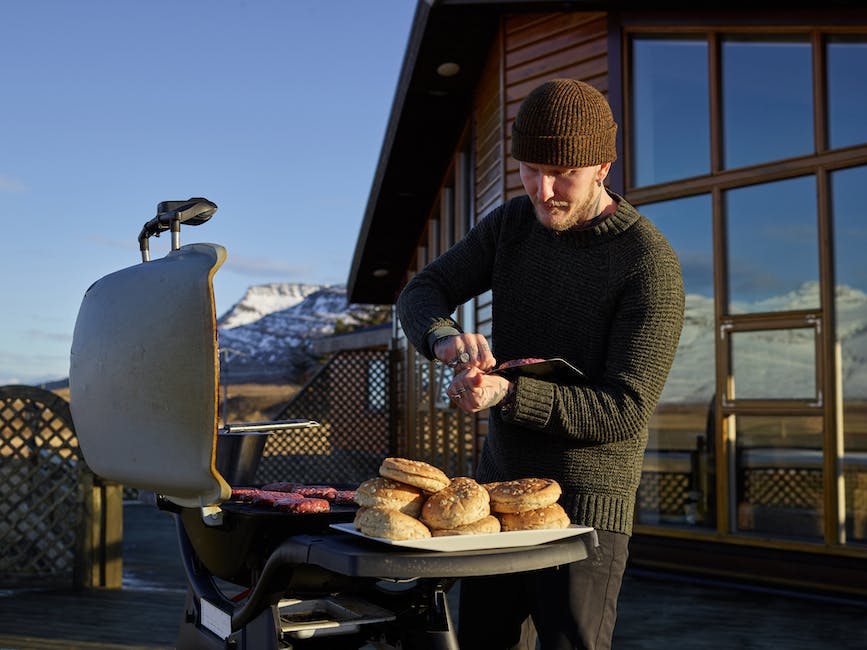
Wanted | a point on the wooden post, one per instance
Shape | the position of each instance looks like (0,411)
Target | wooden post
(99,546)
(859,505)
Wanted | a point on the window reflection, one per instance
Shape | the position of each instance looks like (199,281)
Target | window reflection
(767,100)
(771,249)
(850,242)
(779,475)
(677,482)
(687,224)
(774,364)
(850,230)
(847,63)
(671,133)
(773,246)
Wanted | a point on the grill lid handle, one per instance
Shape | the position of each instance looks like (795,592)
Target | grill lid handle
(170,215)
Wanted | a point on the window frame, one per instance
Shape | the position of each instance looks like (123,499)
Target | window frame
(818,27)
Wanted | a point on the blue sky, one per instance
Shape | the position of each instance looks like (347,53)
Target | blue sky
(273,109)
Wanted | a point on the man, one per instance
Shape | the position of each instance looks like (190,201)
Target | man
(575,272)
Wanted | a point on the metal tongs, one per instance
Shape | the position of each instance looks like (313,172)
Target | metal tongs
(170,215)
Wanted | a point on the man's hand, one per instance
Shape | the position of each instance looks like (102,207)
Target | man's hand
(473,390)
(468,350)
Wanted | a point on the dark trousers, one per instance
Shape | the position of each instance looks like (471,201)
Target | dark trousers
(570,606)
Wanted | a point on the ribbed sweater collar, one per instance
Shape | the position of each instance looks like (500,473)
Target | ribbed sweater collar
(615,224)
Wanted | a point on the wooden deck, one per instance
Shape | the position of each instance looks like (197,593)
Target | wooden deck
(144,615)
(655,612)
(103,620)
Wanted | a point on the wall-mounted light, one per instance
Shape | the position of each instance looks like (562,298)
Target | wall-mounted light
(448,69)
(379,273)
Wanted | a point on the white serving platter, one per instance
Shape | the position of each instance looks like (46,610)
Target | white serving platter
(474,542)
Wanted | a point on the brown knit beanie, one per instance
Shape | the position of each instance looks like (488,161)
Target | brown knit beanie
(564,123)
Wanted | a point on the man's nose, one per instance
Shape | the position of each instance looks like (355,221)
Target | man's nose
(545,190)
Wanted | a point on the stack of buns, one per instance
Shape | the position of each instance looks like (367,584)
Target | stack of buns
(461,508)
(412,499)
(390,509)
(528,504)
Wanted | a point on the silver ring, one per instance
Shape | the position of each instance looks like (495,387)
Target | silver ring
(459,394)
(463,357)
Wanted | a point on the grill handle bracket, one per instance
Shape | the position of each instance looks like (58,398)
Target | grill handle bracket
(170,215)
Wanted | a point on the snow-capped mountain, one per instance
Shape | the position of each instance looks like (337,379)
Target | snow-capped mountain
(263,299)
(269,332)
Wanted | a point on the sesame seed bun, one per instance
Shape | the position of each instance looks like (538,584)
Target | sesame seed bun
(552,516)
(463,502)
(523,494)
(485,525)
(381,492)
(389,524)
(414,472)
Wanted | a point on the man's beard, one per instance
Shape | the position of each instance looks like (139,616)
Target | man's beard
(573,218)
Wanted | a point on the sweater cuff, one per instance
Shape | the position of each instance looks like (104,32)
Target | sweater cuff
(435,335)
(534,401)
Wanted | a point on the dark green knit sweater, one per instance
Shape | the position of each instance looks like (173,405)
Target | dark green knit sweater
(609,299)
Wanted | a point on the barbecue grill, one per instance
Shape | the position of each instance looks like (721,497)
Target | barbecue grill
(144,392)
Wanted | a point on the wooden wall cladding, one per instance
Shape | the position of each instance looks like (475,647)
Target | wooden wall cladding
(537,47)
(488,154)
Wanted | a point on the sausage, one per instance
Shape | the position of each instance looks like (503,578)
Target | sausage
(301,505)
(314,491)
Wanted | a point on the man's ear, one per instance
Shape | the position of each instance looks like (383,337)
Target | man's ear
(604,168)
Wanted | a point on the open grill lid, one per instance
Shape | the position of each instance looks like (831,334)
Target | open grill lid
(143,376)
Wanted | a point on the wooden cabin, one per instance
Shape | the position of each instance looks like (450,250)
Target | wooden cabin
(742,136)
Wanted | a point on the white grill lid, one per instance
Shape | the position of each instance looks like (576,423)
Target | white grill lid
(144,376)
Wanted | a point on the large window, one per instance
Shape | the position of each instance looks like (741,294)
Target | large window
(847,62)
(671,97)
(779,482)
(675,486)
(773,246)
(850,242)
(767,99)
(748,150)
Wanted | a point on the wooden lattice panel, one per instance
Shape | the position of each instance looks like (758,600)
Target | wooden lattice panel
(787,487)
(442,434)
(663,493)
(349,397)
(40,467)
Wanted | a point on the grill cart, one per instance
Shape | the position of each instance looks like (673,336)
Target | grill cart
(144,392)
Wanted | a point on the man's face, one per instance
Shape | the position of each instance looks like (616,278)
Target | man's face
(563,197)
